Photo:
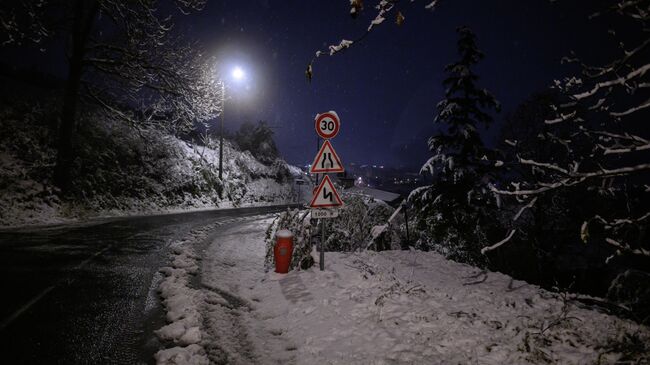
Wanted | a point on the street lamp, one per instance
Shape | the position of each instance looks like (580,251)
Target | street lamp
(237,74)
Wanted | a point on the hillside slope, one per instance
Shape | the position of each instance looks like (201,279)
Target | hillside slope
(121,169)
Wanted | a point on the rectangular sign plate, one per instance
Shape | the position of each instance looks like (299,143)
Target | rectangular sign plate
(324,213)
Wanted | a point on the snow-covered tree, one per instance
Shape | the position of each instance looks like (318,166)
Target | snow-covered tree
(121,59)
(605,151)
(451,210)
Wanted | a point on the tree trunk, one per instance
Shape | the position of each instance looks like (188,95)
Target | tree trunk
(84,14)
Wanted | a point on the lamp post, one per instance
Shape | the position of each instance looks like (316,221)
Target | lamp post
(237,74)
(223,109)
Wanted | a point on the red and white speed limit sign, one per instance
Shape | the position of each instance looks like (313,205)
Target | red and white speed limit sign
(327,125)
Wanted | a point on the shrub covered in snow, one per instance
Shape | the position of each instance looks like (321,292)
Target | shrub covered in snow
(171,172)
(298,223)
(631,289)
(357,227)
(351,230)
(27,156)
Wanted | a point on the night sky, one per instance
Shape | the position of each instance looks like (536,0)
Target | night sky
(384,89)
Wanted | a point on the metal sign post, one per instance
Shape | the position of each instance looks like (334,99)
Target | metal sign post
(325,197)
(321,248)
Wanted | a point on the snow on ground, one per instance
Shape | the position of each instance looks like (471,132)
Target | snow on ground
(25,200)
(182,304)
(392,307)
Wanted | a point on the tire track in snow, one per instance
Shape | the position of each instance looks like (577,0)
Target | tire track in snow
(207,324)
(233,262)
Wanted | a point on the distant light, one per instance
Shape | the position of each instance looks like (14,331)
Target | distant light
(238,73)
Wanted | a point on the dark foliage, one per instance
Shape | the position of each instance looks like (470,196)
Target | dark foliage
(454,213)
(579,164)
(258,140)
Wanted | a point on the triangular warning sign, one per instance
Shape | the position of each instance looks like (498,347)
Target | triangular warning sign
(326,160)
(326,195)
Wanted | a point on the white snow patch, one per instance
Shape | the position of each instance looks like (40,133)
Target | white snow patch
(342,45)
(190,355)
(392,307)
(283,233)
(183,304)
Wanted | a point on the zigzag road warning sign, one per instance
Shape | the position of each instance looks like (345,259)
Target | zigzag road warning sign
(326,195)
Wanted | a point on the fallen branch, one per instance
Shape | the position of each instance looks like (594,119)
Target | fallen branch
(498,244)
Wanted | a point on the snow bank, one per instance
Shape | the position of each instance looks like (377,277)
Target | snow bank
(183,304)
(417,307)
(398,307)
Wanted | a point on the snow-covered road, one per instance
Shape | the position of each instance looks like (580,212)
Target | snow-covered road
(218,299)
(369,308)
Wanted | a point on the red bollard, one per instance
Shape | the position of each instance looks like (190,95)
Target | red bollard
(283,251)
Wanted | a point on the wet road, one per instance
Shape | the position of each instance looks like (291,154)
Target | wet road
(85,294)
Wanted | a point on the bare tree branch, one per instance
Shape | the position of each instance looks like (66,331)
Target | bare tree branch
(487,249)
(384,8)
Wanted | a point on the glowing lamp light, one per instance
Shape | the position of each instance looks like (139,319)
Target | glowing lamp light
(238,73)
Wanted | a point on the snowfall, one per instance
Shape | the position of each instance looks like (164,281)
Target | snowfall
(391,307)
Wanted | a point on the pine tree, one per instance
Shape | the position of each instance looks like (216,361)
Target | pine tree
(451,209)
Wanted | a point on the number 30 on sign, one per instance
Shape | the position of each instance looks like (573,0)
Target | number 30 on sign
(327,125)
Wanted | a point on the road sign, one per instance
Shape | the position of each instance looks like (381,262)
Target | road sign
(324,213)
(326,160)
(327,125)
(326,195)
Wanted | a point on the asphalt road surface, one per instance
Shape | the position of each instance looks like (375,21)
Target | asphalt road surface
(86,294)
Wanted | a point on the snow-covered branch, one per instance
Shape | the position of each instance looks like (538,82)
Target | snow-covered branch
(527,206)
(573,178)
(561,118)
(487,249)
(604,145)
(626,248)
(384,9)
(631,110)
(25,22)
(544,165)
(621,80)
